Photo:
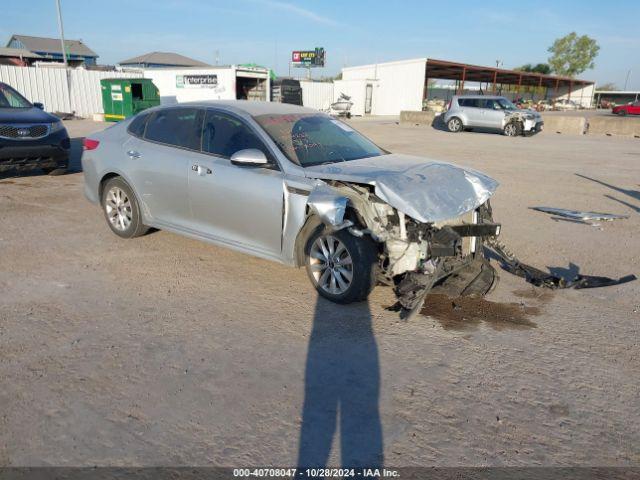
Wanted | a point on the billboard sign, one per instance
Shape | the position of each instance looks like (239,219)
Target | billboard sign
(308,58)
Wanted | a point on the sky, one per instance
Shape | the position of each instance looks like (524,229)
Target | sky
(353,32)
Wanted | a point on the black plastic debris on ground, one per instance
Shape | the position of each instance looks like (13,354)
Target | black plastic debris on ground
(540,278)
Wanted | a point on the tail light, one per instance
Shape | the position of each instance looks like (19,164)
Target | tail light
(90,144)
(449,106)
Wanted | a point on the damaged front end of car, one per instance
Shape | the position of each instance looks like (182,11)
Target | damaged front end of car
(521,122)
(429,226)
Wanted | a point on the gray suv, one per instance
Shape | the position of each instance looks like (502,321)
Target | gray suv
(490,112)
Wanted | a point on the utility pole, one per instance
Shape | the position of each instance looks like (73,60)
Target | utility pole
(61,28)
(64,54)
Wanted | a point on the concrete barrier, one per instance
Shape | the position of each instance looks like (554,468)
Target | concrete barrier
(408,117)
(564,124)
(614,126)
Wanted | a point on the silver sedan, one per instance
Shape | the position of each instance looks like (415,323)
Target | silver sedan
(293,185)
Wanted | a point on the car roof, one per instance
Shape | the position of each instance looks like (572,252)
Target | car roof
(251,107)
(479,96)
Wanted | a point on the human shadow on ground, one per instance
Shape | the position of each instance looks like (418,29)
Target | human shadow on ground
(342,389)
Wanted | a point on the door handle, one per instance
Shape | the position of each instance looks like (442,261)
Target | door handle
(200,170)
(134,154)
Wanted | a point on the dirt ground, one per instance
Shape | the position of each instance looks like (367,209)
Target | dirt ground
(168,351)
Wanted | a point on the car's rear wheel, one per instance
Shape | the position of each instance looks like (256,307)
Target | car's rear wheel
(622,113)
(340,266)
(121,209)
(455,125)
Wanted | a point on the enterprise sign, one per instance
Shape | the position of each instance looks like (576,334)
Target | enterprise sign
(197,81)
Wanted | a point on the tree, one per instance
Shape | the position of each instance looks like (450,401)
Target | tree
(572,55)
(608,87)
(539,68)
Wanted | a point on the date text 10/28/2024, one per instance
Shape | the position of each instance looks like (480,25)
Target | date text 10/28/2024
(315,473)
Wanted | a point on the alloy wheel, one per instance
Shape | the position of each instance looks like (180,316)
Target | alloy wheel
(118,208)
(455,125)
(331,265)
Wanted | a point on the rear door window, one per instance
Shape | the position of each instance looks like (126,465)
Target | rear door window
(224,135)
(180,127)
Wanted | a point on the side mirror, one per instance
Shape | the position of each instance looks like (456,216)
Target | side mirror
(38,105)
(250,157)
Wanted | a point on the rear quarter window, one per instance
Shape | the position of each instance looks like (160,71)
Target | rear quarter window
(470,102)
(138,125)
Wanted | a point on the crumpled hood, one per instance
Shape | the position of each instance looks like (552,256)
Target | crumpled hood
(426,190)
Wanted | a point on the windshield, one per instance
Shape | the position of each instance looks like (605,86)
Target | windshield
(9,98)
(506,104)
(311,139)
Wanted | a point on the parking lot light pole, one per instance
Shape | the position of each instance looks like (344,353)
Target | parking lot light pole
(626,81)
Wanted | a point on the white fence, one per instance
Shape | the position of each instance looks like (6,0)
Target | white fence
(48,85)
(318,95)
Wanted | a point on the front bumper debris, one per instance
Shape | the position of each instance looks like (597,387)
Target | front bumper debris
(474,275)
(539,278)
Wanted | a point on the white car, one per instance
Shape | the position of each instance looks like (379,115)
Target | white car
(564,104)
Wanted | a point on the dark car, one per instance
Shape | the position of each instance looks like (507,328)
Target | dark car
(30,138)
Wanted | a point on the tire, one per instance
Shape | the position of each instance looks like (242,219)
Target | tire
(363,265)
(513,129)
(622,113)
(454,125)
(121,209)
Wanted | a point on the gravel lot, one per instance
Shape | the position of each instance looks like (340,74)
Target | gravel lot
(168,351)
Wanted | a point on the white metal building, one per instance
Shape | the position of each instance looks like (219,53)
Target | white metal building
(384,88)
(231,82)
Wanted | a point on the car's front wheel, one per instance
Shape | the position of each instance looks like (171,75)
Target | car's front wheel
(341,267)
(513,129)
(121,209)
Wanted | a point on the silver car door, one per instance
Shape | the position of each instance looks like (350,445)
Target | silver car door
(473,113)
(236,204)
(159,163)
(493,115)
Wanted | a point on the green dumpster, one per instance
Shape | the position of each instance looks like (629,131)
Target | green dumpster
(124,97)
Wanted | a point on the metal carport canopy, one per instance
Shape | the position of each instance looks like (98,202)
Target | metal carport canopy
(463,72)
